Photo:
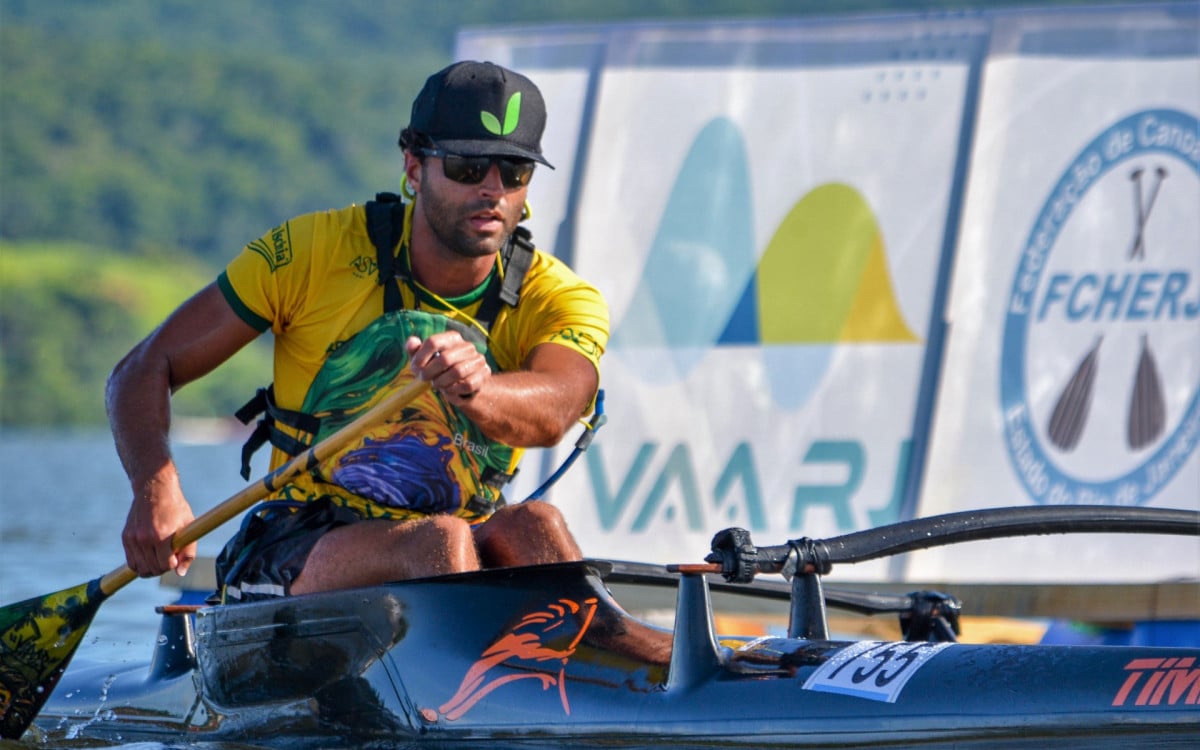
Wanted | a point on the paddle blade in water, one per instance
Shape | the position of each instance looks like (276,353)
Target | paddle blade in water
(37,639)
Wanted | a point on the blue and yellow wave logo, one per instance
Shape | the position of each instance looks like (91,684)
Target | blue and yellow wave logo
(822,280)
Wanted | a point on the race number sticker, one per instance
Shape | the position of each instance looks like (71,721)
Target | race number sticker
(874,670)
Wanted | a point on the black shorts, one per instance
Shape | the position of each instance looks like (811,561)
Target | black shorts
(267,554)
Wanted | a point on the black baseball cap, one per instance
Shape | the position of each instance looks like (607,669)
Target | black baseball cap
(481,109)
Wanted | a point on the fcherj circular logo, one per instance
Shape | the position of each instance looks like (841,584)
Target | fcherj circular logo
(1100,359)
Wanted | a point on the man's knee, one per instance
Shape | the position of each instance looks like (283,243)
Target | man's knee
(448,537)
(527,517)
(377,551)
(442,529)
(526,534)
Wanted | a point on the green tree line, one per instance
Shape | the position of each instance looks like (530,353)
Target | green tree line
(144,142)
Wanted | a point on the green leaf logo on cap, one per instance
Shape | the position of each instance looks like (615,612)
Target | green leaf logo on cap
(512,114)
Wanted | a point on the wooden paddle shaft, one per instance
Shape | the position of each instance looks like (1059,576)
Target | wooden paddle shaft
(311,458)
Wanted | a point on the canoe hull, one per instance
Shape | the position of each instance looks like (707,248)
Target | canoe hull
(546,654)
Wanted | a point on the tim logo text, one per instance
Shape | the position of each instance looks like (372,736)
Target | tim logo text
(1156,682)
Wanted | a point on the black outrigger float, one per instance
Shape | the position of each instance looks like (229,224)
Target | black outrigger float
(545,656)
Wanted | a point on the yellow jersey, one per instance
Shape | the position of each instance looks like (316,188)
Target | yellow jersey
(313,282)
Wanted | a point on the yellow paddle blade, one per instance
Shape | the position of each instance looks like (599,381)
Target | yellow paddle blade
(37,639)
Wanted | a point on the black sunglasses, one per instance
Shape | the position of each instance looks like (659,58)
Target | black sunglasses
(470,170)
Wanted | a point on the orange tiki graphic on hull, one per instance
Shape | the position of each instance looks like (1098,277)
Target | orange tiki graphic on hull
(535,639)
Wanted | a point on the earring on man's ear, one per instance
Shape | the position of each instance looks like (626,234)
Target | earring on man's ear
(406,189)
(526,211)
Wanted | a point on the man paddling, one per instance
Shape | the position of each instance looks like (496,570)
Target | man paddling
(452,293)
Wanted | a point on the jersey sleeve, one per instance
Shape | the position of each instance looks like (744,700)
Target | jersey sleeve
(563,309)
(264,282)
(579,321)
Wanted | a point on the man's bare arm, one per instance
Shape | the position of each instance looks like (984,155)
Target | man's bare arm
(201,334)
(530,407)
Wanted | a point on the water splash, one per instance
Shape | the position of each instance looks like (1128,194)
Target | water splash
(100,714)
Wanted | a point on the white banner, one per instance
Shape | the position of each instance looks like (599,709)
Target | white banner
(1072,372)
(771,209)
(763,236)
(769,293)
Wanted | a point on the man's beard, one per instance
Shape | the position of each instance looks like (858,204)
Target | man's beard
(451,226)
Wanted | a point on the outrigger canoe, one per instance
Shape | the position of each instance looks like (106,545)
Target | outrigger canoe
(546,656)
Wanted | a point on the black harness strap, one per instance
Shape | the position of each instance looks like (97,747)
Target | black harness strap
(517,257)
(264,403)
(385,227)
